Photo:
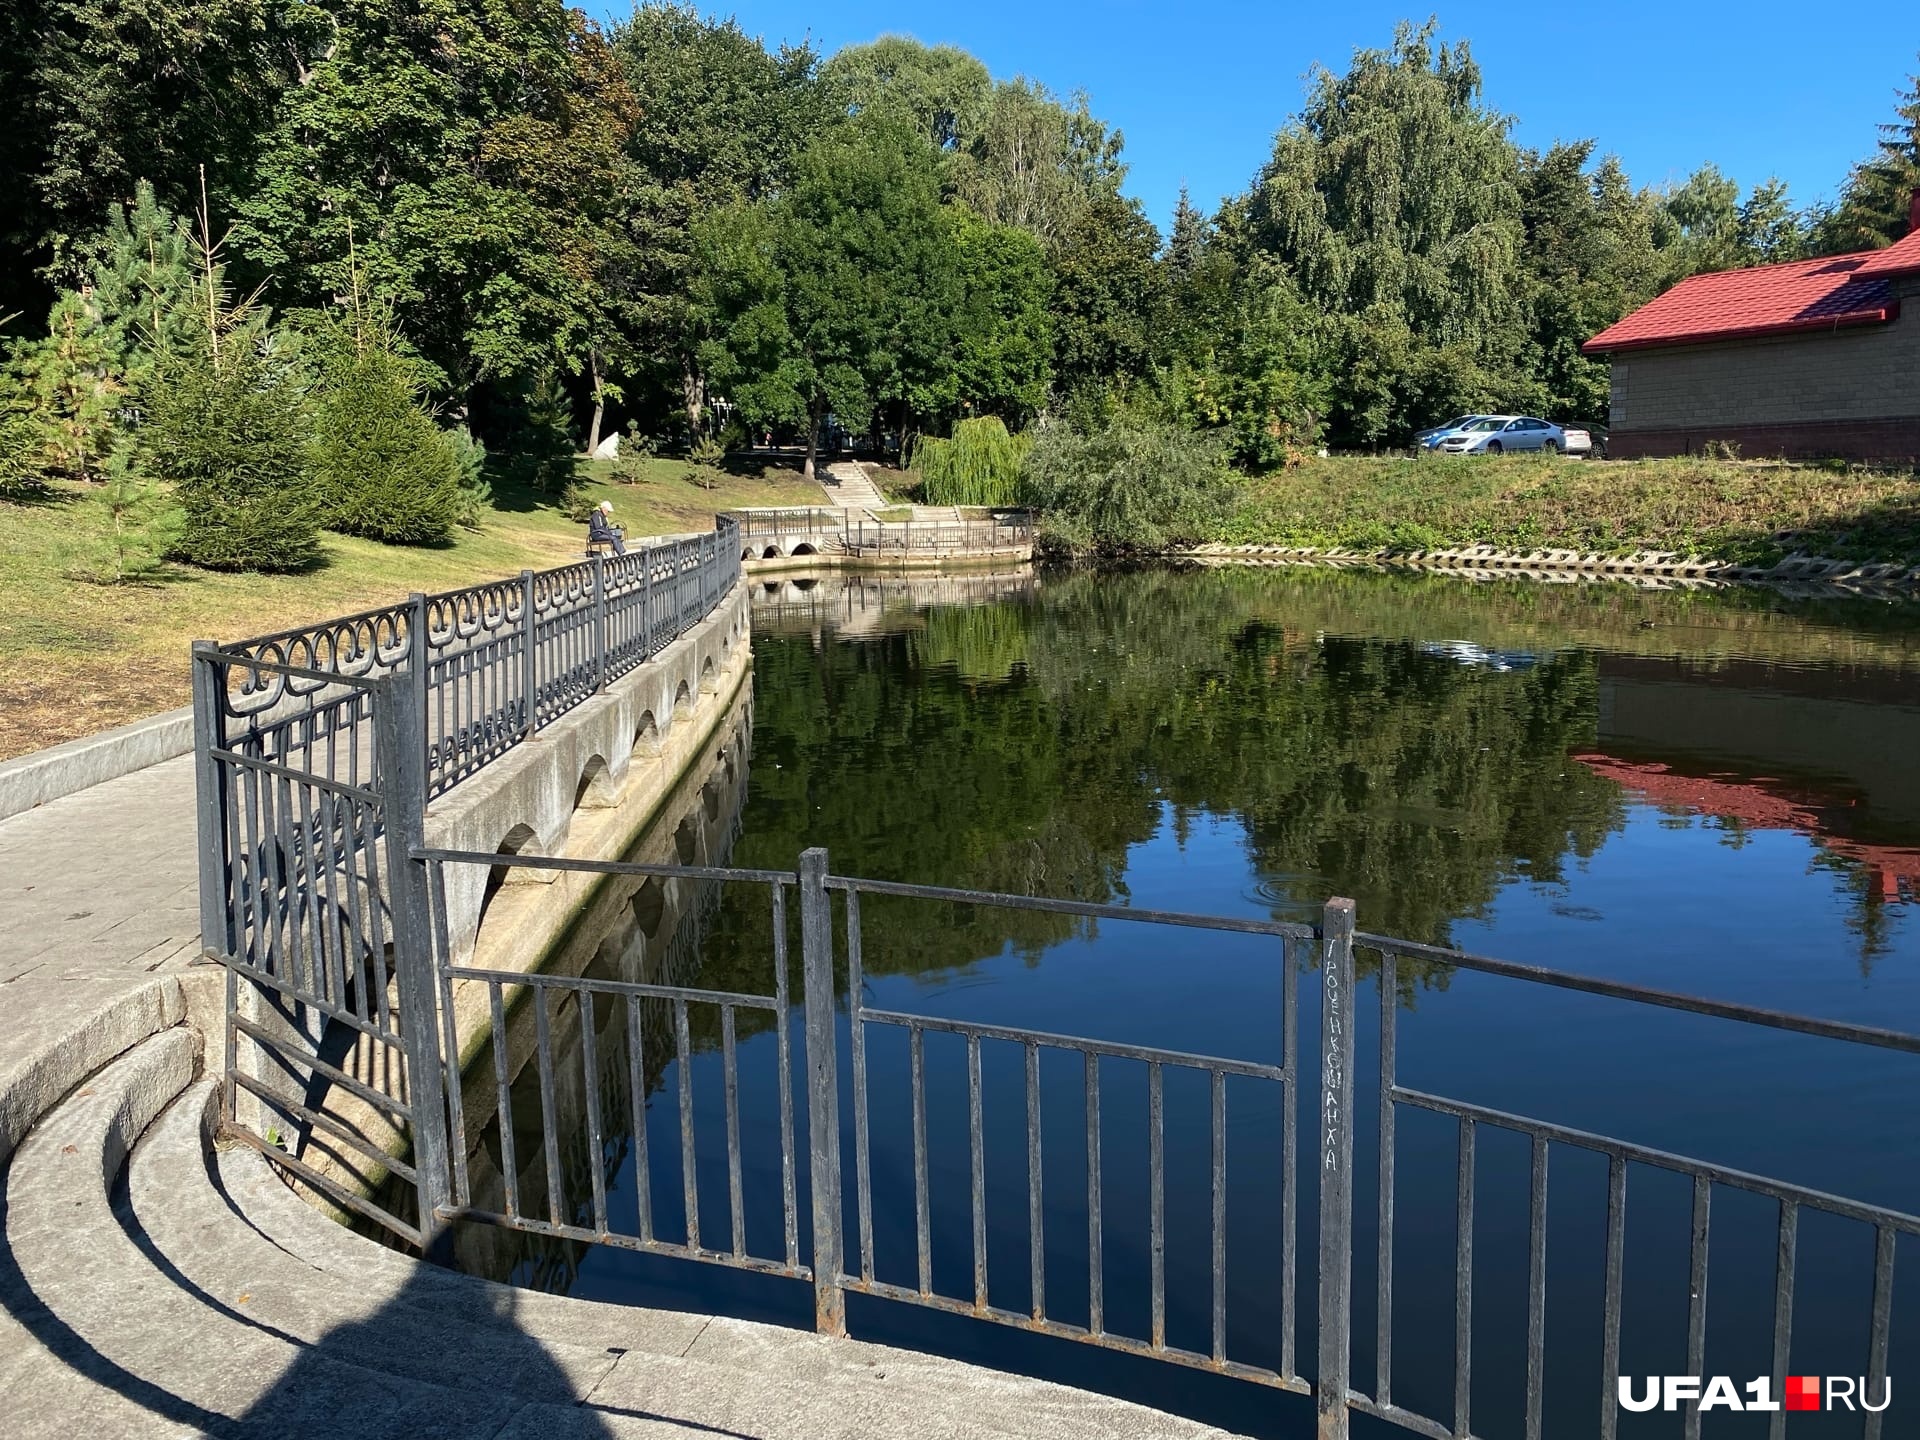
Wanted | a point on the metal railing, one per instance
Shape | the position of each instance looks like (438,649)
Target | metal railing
(316,753)
(492,663)
(773,533)
(1328,947)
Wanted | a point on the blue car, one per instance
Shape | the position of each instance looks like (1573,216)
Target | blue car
(1429,439)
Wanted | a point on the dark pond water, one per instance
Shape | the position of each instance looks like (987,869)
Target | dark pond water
(1717,793)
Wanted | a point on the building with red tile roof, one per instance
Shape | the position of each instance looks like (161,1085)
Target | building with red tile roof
(1809,360)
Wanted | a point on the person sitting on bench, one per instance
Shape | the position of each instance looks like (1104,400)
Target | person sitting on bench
(602,531)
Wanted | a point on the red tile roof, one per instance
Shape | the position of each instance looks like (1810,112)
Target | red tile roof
(1766,300)
(1900,258)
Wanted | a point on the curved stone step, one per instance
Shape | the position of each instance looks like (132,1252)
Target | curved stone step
(248,1186)
(911,1381)
(117,1345)
(176,1313)
(405,1320)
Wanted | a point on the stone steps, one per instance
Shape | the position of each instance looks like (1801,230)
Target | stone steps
(204,1297)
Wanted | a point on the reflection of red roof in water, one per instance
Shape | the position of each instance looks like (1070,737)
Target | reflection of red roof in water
(1763,803)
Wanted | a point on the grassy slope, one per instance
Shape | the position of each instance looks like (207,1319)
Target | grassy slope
(76,658)
(1729,510)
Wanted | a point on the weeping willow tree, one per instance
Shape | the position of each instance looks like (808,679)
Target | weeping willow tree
(980,465)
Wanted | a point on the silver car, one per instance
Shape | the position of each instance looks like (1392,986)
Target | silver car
(1492,434)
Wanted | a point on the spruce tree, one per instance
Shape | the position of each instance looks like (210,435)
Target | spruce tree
(383,469)
(1876,203)
(227,424)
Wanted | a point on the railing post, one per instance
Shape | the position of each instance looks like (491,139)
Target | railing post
(529,658)
(209,734)
(403,799)
(418,661)
(599,623)
(1334,1157)
(823,1093)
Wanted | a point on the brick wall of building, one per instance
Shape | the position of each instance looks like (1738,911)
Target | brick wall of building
(1853,392)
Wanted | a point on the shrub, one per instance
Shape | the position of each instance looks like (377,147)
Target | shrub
(980,465)
(231,434)
(384,469)
(1130,486)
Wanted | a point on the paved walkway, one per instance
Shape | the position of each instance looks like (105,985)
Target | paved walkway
(98,895)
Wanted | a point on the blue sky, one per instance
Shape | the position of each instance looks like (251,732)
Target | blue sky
(1760,88)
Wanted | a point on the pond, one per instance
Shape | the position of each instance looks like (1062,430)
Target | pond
(1715,792)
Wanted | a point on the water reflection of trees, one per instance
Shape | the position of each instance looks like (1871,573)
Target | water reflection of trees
(1024,747)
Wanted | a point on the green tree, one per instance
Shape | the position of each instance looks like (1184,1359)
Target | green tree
(1248,363)
(1592,257)
(1037,162)
(126,530)
(228,427)
(1878,196)
(1771,230)
(1002,330)
(101,94)
(722,124)
(144,286)
(841,296)
(980,465)
(938,91)
(458,153)
(1393,200)
(383,469)
(71,384)
(1108,298)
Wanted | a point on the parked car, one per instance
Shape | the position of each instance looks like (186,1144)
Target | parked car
(1492,434)
(1587,441)
(1430,438)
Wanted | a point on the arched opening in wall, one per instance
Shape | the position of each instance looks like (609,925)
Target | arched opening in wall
(646,734)
(804,549)
(706,674)
(770,587)
(520,841)
(648,905)
(686,841)
(803,586)
(772,553)
(710,799)
(746,554)
(596,770)
(682,702)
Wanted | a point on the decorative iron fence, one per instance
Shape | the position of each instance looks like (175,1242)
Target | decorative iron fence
(826,1237)
(490,664)
(317,751)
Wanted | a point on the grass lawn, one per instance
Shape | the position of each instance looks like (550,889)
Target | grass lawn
(77,657)
(1748,511)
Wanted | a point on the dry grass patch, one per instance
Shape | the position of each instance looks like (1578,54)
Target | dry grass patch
(76,658)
